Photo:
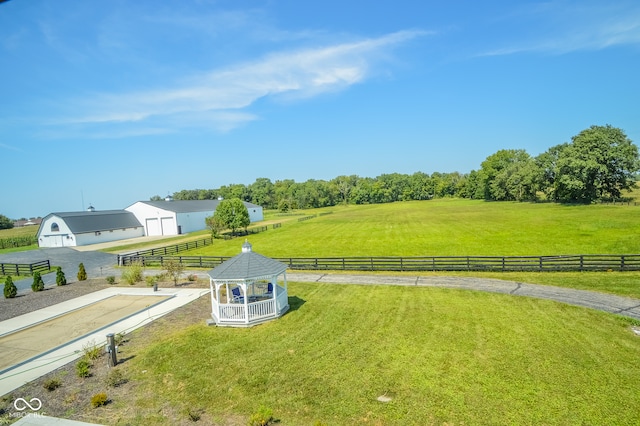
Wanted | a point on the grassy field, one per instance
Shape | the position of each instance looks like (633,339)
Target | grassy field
(443,357)
(24,231)
(450,227)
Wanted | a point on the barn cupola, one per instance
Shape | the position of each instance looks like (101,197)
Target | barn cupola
(91,208)
(246,247)
(168,198)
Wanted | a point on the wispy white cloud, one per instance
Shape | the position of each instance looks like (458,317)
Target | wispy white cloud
(560,27)
(221,97)
(9,147)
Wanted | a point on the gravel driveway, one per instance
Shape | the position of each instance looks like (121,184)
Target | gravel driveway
(96,263)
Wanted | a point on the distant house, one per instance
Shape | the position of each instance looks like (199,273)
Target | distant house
(171,217)
(70,229)
(27,222)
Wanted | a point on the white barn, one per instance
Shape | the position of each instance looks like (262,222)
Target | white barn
(180,217)
(70,229)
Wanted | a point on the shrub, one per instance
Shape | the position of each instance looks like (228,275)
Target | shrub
(38,284)
(119,339)
(82,273)
(194,415)
(263,417)
(111,279)
(83,368)
(151,279)
(133,273)
(10,289)
(174,269)
(115,378)
(60,278)
(192,277)
(51,384)
(91,350)
(99,400)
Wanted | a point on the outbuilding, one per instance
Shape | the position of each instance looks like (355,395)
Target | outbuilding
(170,217)
(70,229)
(248,289)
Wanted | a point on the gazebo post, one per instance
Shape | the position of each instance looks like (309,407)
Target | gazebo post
(246,301)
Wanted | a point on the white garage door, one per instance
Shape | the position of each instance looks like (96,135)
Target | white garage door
(153,227)
(168,226)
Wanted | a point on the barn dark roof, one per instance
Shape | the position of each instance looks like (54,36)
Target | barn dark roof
(187,206)
(247,265)
(105,220)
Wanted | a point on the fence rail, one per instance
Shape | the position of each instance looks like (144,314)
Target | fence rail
(24,268)
(169,250)
(583,262)
(244,232)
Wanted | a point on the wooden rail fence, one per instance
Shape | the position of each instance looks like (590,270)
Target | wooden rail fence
(24,268)
(583,262)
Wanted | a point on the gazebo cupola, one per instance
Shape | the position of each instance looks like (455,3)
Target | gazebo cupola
(248,289)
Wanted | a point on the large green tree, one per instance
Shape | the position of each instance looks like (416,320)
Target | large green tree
(600,162)
(5,222)
(507,175)
(233,214)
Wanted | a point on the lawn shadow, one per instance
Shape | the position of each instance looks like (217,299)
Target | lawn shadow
(123,360)
(295,303)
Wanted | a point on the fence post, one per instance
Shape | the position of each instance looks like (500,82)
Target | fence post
(503,263)
(581,262)
(621,262)
(540,263)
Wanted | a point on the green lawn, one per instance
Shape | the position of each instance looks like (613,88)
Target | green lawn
(450,227)
(444,357)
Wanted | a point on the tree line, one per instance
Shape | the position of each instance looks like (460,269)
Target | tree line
(599,163)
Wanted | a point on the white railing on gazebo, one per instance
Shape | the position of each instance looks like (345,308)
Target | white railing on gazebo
(261,309)
(235,312)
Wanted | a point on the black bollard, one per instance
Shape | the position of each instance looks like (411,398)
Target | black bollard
(111,349)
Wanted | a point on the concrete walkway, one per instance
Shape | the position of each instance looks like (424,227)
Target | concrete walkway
(603,302)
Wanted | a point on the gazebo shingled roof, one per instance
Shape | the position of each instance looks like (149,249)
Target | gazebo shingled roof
(247,265)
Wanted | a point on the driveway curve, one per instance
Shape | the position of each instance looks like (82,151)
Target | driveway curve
(590,299)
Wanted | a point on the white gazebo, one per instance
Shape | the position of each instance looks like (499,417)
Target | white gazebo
(245,290)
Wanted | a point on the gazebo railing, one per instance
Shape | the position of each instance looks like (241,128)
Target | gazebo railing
(262,309)
(231,312)
(235,313)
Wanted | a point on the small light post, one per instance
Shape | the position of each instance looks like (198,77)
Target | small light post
(111,349)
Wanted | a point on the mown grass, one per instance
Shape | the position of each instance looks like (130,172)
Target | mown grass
(443,356)
(450,227)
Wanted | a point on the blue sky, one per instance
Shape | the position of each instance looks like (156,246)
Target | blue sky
(111,102)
